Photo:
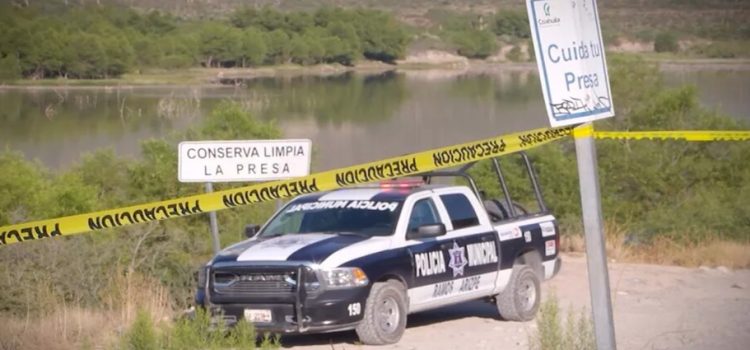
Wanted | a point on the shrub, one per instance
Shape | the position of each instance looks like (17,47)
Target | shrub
(10,68)
(168,250)
(514,55)
(474,43)
(512,23)
(200,333)
(575,333)
(666,42)
(142,334)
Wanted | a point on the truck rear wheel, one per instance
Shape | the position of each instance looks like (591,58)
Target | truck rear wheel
(384,321)
(520,299)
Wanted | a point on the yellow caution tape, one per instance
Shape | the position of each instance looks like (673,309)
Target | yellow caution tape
(583,130)
(688,135)
(375,171)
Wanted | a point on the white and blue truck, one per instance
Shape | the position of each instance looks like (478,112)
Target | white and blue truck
(364,258)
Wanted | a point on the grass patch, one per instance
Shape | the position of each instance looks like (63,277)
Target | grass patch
(665,250)
(576,332)
(199,332)
(131,299)
(77,328)
(142,334)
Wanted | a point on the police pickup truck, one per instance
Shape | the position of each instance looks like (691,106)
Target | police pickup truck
(363,258)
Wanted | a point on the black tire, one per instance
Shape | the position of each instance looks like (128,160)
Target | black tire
(520,299)
(384,321)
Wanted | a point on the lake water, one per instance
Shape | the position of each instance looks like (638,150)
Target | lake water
(350,118)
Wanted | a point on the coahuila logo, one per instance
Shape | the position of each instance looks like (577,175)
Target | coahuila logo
(548,19)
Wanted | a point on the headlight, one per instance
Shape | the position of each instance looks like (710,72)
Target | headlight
(344,277)
(202,276)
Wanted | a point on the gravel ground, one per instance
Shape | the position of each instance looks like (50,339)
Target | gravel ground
(655,307)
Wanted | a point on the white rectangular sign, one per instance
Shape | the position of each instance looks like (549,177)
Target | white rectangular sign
(257,160)
(570,55)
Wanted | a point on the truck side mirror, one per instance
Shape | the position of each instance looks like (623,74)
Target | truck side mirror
(427,231)
(251,230)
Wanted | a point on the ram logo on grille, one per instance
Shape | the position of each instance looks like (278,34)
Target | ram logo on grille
(262,277)
(254,283)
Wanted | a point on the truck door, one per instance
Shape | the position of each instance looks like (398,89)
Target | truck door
(460,265)
(432,279)
(474,249)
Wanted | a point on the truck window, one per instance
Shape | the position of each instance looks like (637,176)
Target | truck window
(460,210)
(424,213)
(517,178)
(368,218)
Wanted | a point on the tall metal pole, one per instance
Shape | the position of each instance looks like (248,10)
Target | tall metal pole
(212,221)
(596,255)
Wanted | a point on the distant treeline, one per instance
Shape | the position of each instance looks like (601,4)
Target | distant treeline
(479,36)
(103,42)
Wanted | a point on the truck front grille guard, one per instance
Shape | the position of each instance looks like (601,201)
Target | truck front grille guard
(299,296)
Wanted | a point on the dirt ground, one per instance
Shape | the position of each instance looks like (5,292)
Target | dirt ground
(655,307)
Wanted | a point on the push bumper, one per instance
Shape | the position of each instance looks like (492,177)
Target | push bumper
(302,311)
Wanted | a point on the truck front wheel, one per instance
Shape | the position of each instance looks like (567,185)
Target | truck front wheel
(520,299)
(384,321)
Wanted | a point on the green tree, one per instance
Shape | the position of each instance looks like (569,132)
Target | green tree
(150,51)
(474,43)
(299,22)
(315,49)
(87,58)
(156,22)
(346,32)
(244,17)
(300,50)
(337,51)
(279,46)
(512,23)
(267,19)
(46,43)
(326,14)
(219,44)
(19,188)
(254,48)
(382,37)
(119,54)
(180,50)
(10,68)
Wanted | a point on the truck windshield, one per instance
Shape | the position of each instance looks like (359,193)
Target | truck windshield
(359,217)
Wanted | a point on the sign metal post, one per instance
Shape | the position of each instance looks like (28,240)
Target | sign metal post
(213,223)
(596,254)
(575,84)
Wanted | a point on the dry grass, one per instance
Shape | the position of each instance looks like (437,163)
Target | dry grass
(73,327)
(575,332)
(712,253)
(665,251)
